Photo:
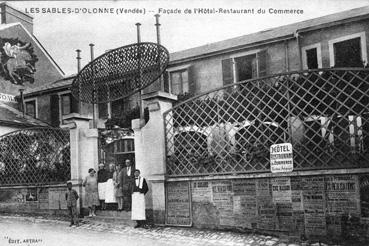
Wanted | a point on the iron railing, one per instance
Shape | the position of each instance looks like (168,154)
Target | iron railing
(324,113)
(35,156)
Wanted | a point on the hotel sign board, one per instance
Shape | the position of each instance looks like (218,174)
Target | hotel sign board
(281,158)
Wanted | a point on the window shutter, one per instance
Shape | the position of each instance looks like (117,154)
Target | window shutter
(227,69)
(54,111)
(191,81)
(166,81)
(74,104)
(262,62)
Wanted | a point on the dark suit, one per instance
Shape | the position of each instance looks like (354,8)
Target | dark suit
(126,180)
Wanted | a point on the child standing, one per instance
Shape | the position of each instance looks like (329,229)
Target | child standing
(71,196)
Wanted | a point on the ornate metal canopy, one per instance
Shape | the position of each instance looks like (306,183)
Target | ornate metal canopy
(120,73)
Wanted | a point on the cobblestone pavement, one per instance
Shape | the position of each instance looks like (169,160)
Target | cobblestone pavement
(150,236)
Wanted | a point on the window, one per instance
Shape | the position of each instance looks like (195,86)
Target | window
(244,66)
(179,82)
(311,57)
(62,104)
(348,51)
(103,109)
(30,108)
(66,106)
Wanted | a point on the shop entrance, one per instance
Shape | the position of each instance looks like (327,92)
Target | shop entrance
(115,147)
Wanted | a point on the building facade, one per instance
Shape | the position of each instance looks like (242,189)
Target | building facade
(208,159)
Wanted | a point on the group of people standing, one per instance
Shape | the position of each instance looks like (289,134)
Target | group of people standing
(119,184)
(114,185)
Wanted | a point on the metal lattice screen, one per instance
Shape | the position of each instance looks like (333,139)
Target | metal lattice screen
(120,73)
(323,113)
(35,156)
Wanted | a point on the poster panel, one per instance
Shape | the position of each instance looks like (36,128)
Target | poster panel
(244,202)
(314,206)
(266,208)
(281,190)
(342,194)
(178,204)
(223,201)
(201,191)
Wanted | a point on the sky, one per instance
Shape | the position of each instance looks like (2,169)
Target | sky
(62,33)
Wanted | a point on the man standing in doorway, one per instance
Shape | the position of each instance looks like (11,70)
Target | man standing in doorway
(139,189)
(127,177)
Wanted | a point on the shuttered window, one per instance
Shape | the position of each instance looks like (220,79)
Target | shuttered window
(68,104)
(30,107)
(54,110)
(181,81)
(244,67)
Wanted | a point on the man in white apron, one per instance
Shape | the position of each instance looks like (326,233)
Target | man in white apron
(139,188)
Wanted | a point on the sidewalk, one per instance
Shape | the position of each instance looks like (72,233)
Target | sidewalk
(168,235)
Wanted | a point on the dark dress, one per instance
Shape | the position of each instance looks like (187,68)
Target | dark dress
(126,180)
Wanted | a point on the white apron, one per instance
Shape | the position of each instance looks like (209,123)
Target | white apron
(138,204)
(110,192)
(101,187)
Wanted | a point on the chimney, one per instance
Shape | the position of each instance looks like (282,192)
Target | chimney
(138,32)
(78,60)
(11,15)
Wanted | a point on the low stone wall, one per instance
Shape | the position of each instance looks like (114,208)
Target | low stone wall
(43,200)
(320,207)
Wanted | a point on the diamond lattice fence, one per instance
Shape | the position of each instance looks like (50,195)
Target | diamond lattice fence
(35,156)
(323,113)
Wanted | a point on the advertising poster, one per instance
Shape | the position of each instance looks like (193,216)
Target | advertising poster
(244,202)
(223,201)
(201,191)
(281,190)
(314,206)
(342,194)
(178,203)
(266,208)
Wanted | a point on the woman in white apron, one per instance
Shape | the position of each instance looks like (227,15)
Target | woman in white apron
(139,189)
(109,186)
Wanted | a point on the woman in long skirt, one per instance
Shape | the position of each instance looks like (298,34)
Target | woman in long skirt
(109,187)
(92,195)
(119,188)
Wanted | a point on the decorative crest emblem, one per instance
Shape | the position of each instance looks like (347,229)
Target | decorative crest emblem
(17,61)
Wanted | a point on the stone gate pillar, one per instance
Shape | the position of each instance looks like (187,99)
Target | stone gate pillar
(150,151)
(83,149)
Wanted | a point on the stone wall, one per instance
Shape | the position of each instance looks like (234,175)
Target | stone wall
(49,200)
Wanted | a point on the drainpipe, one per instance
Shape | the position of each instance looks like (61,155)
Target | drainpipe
(22,100)
(287,58)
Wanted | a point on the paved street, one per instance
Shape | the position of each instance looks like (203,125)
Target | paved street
(17,230)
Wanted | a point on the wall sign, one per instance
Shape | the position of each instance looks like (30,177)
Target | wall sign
(7,98)
(178,204)
(281,158)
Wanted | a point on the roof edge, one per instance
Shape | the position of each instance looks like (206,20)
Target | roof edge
(221,51)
